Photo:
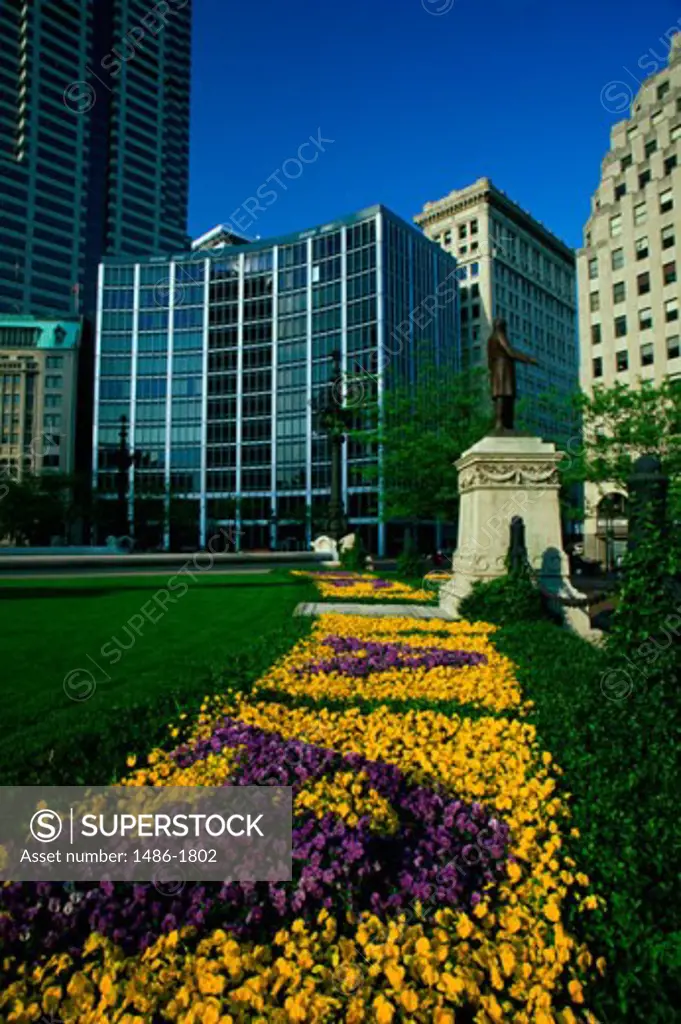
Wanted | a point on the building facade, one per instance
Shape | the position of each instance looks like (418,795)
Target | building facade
(38,388)
(218,357)
(94,143)
(511,266)
(629,290)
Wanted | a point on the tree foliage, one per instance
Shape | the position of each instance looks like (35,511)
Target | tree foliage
(619,423)
(424,428)
(38,508)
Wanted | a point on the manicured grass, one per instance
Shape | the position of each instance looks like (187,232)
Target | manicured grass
(95,668)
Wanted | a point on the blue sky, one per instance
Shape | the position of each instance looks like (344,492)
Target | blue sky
(418,96)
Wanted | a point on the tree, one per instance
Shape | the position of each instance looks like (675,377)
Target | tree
(38,508)
(620,423)
(423,429)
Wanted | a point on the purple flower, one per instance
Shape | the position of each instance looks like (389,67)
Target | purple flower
(443,849)
(379,657)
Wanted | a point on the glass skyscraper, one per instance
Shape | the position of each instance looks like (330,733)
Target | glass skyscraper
(217,359)
(94,141)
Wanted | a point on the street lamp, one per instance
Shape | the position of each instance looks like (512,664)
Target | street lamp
(124,460)
(333,419)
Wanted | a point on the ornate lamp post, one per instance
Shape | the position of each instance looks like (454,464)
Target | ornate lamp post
(124,459)
(333,419)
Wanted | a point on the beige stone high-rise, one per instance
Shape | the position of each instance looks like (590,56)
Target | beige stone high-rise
(38,395)
(628,274)
(511,266)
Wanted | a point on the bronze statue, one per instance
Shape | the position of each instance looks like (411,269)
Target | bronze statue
(501,359)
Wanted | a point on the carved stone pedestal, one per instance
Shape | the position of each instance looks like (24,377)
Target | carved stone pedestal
(499,478)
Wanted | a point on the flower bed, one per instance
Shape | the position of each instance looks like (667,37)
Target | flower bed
(343,586)
(350,658)
(429,874)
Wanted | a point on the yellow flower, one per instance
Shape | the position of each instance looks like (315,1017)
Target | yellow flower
(409,1000)
(384,1009)
(575,990)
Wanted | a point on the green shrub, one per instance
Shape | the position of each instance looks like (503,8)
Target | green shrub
(646,611)
(410,564)
(618,739)
(354,559)
(510,598)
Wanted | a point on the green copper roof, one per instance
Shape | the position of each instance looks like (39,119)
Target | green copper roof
(17,331)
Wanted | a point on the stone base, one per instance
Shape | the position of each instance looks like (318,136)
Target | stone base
(501,477)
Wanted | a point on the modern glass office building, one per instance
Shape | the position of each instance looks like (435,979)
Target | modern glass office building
(94,143)
(217,359)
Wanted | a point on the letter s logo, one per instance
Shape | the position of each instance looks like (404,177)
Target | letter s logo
(45,826)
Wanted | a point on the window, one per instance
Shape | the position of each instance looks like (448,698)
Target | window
(673,347)
(626,162)
(671,310)
(643,282)
(622,361)
(474,227)
(616,225)
(595,334)
(669,273)
(675,132)
(643,179)
(620,190)
(463,230)
(593,268)
(54,362)
(650,147)
(620,326)
(645,318)
(641,246)
(617,259)
(594,302)
(662,89)
(463,249)
(448,238)
(54,381)
(51,401)
(668,237)
(598,366)
(647,355)
(639,213)
(657,117)
(666,201)
(670,163)
(475,269)
(619,291)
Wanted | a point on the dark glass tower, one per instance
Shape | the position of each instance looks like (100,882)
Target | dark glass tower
(218,360)
(94,143)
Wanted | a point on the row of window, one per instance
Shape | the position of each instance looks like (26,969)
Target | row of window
(666,204)
(619,288)
(641,250)
(645,321)
(463,232)
(645,177)
(646,354)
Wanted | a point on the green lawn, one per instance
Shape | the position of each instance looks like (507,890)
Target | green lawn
(133,652)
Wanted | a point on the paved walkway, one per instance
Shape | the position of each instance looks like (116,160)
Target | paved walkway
(408,611)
